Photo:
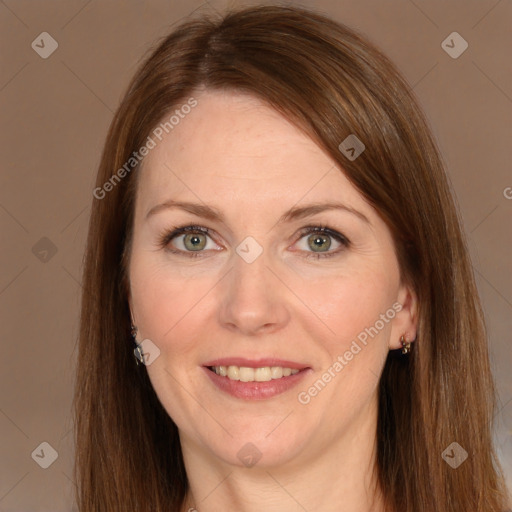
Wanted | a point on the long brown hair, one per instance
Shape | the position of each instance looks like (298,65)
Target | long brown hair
(331,83)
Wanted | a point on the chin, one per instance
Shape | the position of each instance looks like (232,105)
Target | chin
(260,449)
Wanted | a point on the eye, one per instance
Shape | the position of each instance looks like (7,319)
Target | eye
(191,240)
(317,240)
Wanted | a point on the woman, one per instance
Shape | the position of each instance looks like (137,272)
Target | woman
(273,226)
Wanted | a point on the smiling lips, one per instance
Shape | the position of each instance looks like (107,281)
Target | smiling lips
(256,379)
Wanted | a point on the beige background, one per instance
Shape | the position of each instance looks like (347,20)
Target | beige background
(55,114)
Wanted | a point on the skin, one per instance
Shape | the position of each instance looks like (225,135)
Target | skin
(237,155)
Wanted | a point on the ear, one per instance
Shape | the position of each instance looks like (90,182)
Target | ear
(405,322)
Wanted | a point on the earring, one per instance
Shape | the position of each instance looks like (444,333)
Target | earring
(406,346)
(138,349)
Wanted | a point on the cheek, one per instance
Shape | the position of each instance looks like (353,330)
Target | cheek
(170,311)
(349,304)
(353,349)
(167,304)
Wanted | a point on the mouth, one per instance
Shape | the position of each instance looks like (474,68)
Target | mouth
(255,380)
(248,374)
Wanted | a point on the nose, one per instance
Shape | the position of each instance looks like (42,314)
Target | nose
(253,299)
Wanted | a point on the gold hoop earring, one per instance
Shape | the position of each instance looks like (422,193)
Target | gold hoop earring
(406,346)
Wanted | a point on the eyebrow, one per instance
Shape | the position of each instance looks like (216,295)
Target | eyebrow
(295,213)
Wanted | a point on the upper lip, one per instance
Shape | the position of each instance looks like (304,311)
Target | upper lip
(256,363)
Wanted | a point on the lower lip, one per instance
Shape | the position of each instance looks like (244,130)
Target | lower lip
(256,390)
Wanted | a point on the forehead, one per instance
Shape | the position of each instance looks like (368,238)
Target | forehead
(232,147)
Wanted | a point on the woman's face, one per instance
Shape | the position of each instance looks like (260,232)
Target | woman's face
(261,293)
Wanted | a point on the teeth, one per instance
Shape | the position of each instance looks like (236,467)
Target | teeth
(245,374)
(276,372)
(233,372)
(262,374)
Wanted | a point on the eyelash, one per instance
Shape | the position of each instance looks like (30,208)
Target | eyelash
(167,236)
